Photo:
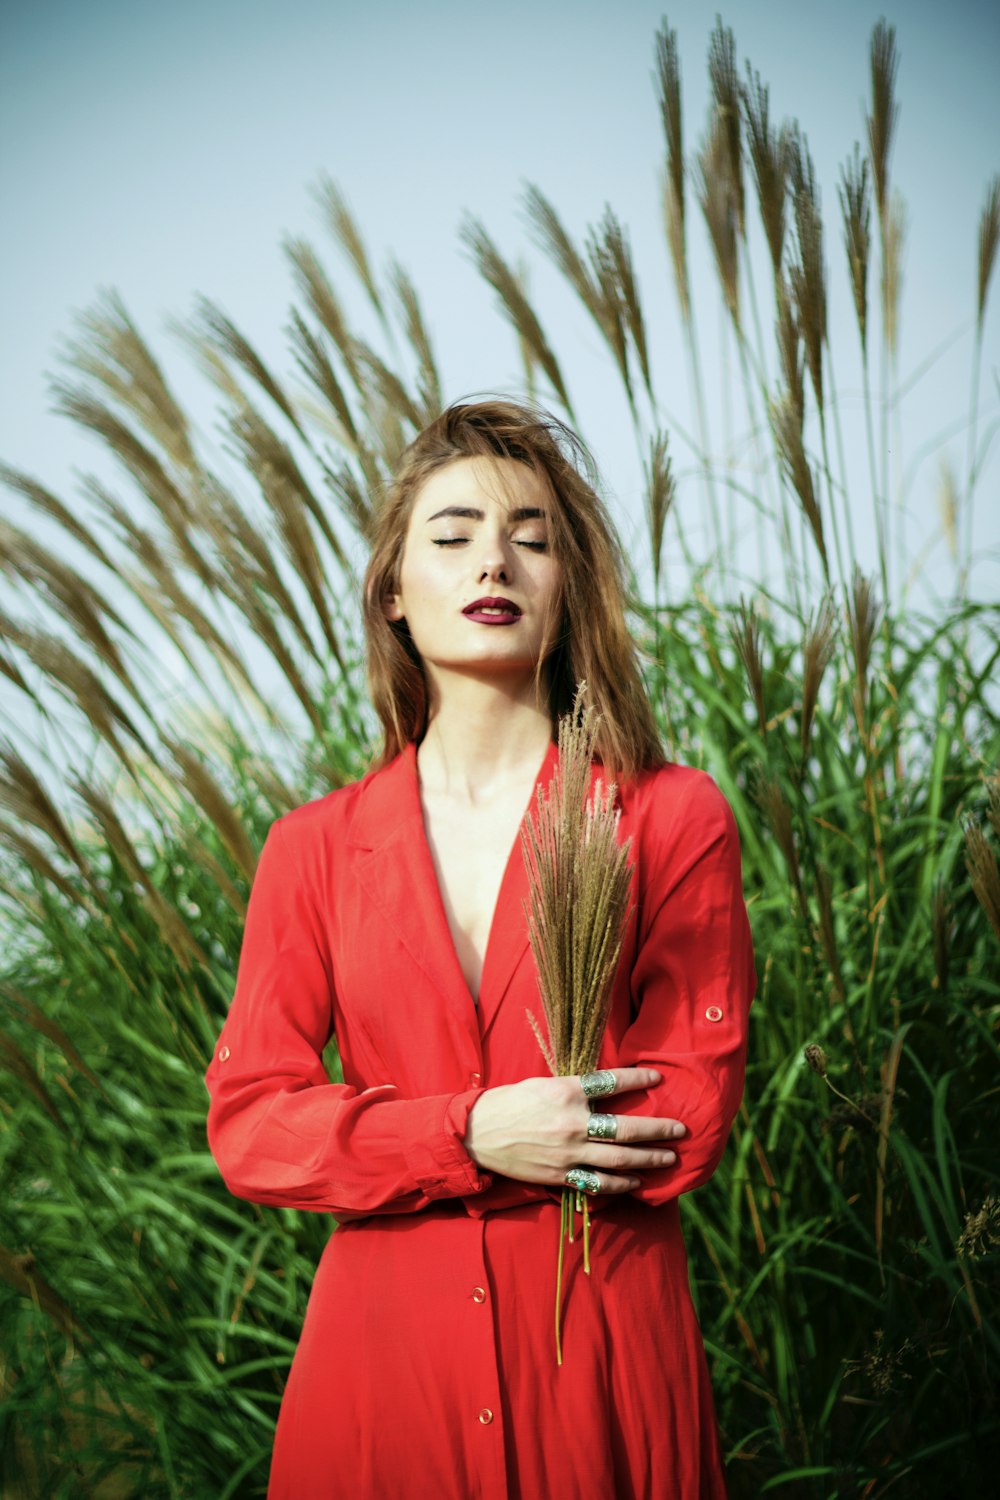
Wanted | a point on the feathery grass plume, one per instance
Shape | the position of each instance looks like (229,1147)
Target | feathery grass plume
(289,495)
(892,272)
(854,191)
(174,930)
(411,316)
(75,600)
(768,150)
(110,350)
(948,503)
(217,330)
(992,784)
(513,302)
(863,616)
(315,287)
(23,794)
(786,424)
(818,645)
(311,358)
(981,1230)
(661,491)
(746,639)
(717,197)
(13,1060)
(31,857)
(388,386)
(207,794)
(74,679)
(989,238)
(726,92)
(816,1058)
(50,505)
(604,280)
(173,504)
(579,901)
(164,596)
(352,495)
(529,362)
(18,1003)
(611,258)
(790,351)
(343,226)
(884,111)
(668,80)
(984,875)
(807,274)
(249,572)
(774,804)
(551,236)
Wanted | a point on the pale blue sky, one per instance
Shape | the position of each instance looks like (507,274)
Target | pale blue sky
(164,150)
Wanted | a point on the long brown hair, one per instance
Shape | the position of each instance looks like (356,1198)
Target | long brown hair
(592,641)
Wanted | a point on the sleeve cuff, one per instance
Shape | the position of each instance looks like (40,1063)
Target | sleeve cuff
(436,1156)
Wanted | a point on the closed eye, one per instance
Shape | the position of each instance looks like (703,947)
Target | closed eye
(460,541)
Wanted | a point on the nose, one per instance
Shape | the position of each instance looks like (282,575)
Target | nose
(493,562)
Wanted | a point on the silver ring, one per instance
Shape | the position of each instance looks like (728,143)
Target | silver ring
(583,1179)
(602,1127)
(596,1084)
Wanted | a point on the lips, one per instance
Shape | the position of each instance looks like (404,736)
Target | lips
(492,611)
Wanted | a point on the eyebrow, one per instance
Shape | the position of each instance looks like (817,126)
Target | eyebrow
(471,513)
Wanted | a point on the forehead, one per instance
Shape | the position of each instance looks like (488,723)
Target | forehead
(481,483)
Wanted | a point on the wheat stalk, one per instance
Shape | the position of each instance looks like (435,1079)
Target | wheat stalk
(579,901)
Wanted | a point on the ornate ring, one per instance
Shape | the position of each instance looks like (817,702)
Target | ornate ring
(602,1127)
(595,1084)
(583,1179)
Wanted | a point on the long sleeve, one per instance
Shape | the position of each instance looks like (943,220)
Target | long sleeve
(280,1131)
(693,980)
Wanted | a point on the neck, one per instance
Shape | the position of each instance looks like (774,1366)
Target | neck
(482,736)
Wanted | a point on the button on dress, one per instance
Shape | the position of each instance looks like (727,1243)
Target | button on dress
(426,1365)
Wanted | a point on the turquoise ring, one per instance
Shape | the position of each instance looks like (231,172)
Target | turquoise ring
(583,1179)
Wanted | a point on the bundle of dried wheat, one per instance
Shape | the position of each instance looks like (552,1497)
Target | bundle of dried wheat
(578,905)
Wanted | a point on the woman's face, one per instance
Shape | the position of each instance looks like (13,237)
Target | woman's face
(479,587)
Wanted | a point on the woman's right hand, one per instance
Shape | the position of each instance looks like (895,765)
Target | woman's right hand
(535,1130)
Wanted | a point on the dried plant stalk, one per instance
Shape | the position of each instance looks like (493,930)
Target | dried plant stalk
(579,901)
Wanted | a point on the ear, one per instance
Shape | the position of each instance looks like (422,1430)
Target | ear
(392,608)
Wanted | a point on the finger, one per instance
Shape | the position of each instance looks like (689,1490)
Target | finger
(611,1156)
(633,1129)
(626,1079)
(607,1184)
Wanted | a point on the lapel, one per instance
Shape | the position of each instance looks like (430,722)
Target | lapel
(394,865)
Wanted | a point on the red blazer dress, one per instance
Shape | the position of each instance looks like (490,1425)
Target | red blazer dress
(426,1365)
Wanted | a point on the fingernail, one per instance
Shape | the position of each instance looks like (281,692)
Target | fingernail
(634,1183)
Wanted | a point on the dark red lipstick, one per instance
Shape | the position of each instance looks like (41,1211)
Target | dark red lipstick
(492,611)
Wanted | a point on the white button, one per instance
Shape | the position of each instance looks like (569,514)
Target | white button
(713,1013)
(478,1294)
(224,1054)
(475,1079)
(486,1416)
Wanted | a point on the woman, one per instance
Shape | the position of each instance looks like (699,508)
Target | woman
(390,914)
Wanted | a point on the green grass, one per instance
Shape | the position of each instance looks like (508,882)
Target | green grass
(846,1256)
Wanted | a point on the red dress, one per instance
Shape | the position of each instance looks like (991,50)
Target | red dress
(426,1365)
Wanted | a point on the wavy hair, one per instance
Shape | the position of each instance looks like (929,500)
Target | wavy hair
(591,641)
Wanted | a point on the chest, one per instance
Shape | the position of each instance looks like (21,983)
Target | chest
(470,850)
